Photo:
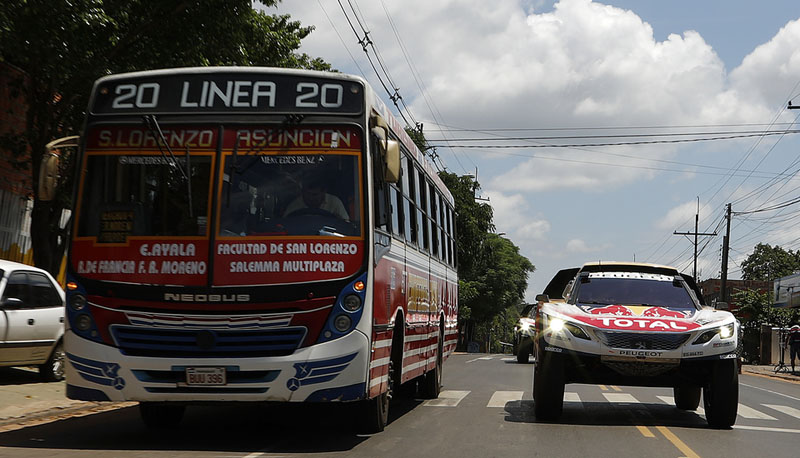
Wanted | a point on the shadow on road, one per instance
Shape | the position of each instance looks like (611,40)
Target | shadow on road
(246,428)
(18,376)
(601,414)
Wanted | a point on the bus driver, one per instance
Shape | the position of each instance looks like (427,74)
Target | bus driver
(314,196)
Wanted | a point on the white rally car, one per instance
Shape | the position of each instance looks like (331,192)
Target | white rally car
(635,324)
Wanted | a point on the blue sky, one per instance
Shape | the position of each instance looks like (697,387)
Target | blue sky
(578,68)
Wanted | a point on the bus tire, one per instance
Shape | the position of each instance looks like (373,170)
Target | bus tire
(432,383)
(721,394)
(548,387)
(159,415)
(687,397)
(375,414)
(53,369)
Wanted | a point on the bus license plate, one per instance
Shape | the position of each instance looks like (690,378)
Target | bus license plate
(205,376)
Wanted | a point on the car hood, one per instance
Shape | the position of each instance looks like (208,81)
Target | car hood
(639,317)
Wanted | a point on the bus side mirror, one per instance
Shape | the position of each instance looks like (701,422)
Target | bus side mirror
(48,177)
(48,169)
(392,159)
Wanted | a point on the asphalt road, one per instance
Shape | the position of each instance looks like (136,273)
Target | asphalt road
(485,410)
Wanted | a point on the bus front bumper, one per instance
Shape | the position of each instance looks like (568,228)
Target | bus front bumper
(331,371)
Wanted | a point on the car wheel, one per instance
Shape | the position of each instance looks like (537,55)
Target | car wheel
(523,353)
(687,397)
(53,369)
(157,415)
(548,386)
(721,394)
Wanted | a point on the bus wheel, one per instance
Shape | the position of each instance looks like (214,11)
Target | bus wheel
(687,397)
(375,414)
(432,383)
(157,415)
(721,394)
(548,386)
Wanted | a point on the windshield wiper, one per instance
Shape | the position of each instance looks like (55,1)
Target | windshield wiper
(152,124)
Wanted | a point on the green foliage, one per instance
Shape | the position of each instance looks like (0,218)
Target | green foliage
(755,309)
(418,138)
(64,46)
(493,275)
(768,263)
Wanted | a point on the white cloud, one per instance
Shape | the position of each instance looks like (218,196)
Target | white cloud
(678,216)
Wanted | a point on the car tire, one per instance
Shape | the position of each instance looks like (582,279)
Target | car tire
(157,415)
(523,353)
(721,394)
(687,397)
(548,387)
(53,369)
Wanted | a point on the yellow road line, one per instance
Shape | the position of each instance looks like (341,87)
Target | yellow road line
(603,387)
(616,388)
(689,453)
(645,431)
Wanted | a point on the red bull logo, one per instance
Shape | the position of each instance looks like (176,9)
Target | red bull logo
(618,310)
(661,312)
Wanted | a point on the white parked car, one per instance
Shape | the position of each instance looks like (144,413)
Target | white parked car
(636,325)
(31,320)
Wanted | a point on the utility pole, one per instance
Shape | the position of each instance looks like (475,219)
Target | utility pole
(723,289)
(695,233)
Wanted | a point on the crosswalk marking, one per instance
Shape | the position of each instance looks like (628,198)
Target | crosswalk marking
(500,398)
(622,398)
(669,400)
(447,398)
(791,411)
(749,412)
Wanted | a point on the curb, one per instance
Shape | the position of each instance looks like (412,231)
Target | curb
(59,412)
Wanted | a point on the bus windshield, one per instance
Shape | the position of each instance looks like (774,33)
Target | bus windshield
(296,193)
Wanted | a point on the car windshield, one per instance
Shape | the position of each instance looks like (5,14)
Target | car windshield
(643,290)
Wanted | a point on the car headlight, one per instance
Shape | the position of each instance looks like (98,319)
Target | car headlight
(556,324)
(725,332)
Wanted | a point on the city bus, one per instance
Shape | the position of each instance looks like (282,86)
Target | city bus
(255,234)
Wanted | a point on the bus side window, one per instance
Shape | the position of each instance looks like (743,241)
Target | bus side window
(383,206)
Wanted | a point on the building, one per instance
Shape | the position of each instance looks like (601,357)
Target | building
(787,291)
(711,289)
(16,191)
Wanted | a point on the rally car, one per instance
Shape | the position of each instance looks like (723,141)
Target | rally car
(635,324)
(524,332)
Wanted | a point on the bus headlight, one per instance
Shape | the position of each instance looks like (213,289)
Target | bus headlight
(342,323)
(83,322)
(351,303)
(77,302)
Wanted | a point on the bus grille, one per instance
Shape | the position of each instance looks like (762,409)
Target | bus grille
(205,343)
(643,341)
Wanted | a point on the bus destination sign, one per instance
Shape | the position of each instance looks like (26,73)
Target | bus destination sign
(240,92)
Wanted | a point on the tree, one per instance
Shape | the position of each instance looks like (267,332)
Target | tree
(768,263)
(64,46)
(492,274)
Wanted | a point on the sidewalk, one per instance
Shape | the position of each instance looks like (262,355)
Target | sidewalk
(23,398)
(769,371)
